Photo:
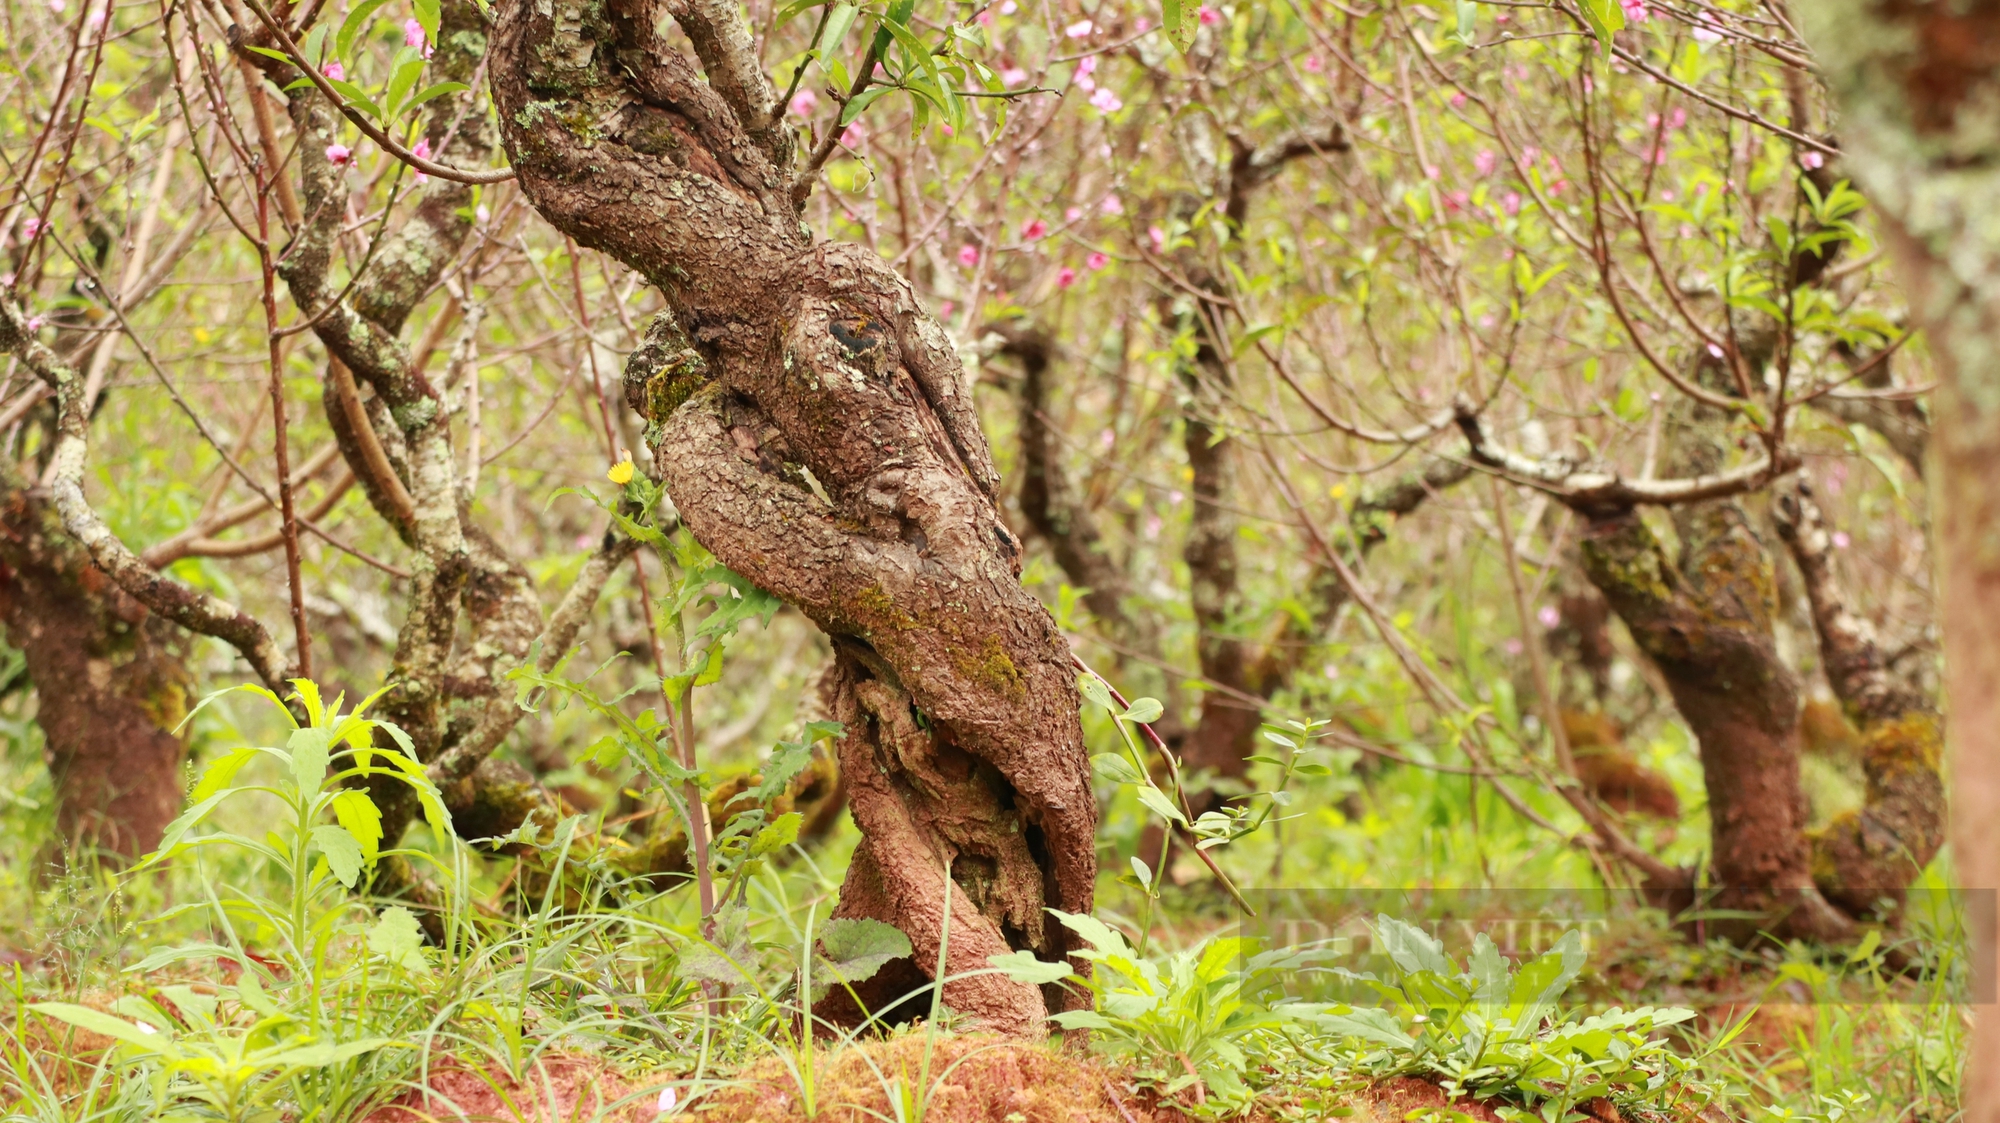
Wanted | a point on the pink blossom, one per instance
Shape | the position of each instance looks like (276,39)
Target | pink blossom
(1635,10)
(1086,83)
(1652,120)
(1034,229)
(1487,321)
(1660,155)
(481,213)
(422,152)
(1528,155)
(1512,646)
(803,103)
(1511,203)
(1097,261)
(968,255)
(1707,29)
(1112,204)
(1313,65)
(1141,25)
(1836,478)
(1431,171)
(338,154)
(1065,277)
(1455,200)
(32,228)
(1812,160)
(33,324)
(1841,541)
(1013,76)
(334,71)
(1667,196)
(1009,7)
(1080,29)
(1679,119)
(413,36)
(854,136)
(1158,238)
(57,6)
(1106,101)
(1715,350)
(96,21)
(667,1100)
(1087,64)
(1209,16)
(1107,438)
(946,130)
(1485,162)
(945,310)
(1458,99)
(985,19)
(1549,616)
(1072,214)
(1558,187)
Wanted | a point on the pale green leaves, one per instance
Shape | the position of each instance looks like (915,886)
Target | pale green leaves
(1605,17)
(397,938)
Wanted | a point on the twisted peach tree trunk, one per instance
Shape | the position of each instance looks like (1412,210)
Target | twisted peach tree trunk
(812,425)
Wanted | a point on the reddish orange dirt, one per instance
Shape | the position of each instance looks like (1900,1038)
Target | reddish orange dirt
(557,1090)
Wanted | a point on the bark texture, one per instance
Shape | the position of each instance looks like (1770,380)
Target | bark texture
(812,423)
(111,683)
(1867,856)
(1918,84)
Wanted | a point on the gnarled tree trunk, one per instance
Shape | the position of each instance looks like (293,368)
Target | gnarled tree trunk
(111,683)
(812,424)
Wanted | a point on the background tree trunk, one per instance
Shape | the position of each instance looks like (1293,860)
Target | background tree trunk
(111,684)
(1916,84)
(813,426)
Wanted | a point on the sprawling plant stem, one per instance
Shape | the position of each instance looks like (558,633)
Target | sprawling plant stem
(816,435)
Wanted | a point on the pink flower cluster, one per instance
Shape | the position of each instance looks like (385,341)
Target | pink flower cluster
(413,36)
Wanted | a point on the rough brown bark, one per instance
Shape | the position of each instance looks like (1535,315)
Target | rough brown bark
(111,684)
(1706,621)
(1866,856)
(817,436)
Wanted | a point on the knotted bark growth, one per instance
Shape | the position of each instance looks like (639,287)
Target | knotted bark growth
(811,422)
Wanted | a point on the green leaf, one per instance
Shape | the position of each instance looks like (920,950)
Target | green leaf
(83,1017)
(1022,967)
(1079,1019)
(1114,766)
(352,25)
(220,771)
(1157,800)
(342,851)
(1144,711)
(776,835)
(1543,980)
(857,947)
(409,67)
(309,747)
(307,692)
(357,97)
(1182,19)
(837,25)
(1095,692)
(1606,18)
(171,837)
(397,937)
(427,15)
(860,102)
(428,92)
(362,819)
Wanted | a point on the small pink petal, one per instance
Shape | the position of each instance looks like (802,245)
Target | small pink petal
(1080,29)
(1209,16)
(803,103)
(1841,541)
(968,255)
(1097,261)
(1034,229)
(337,154)
(1065,277)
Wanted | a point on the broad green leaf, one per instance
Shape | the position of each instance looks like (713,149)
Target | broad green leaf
(427,16)
(1540,982)
(1145,711)
(1157,800)
(308,694)
(1115,766)
(397,937)
(1182,19)
(1023,967)
(343,853)
(409,67)
(1095,692)
(362,819)
(857,947)
(776,835)
(1080,1019)
(433,91)
(309,749)
(837,25)
(1606,18)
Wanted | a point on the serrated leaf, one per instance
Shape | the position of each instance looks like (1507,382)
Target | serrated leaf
(362,819)
(342,852)
(220,772)
(397,937)
(777,834)
(309,750)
